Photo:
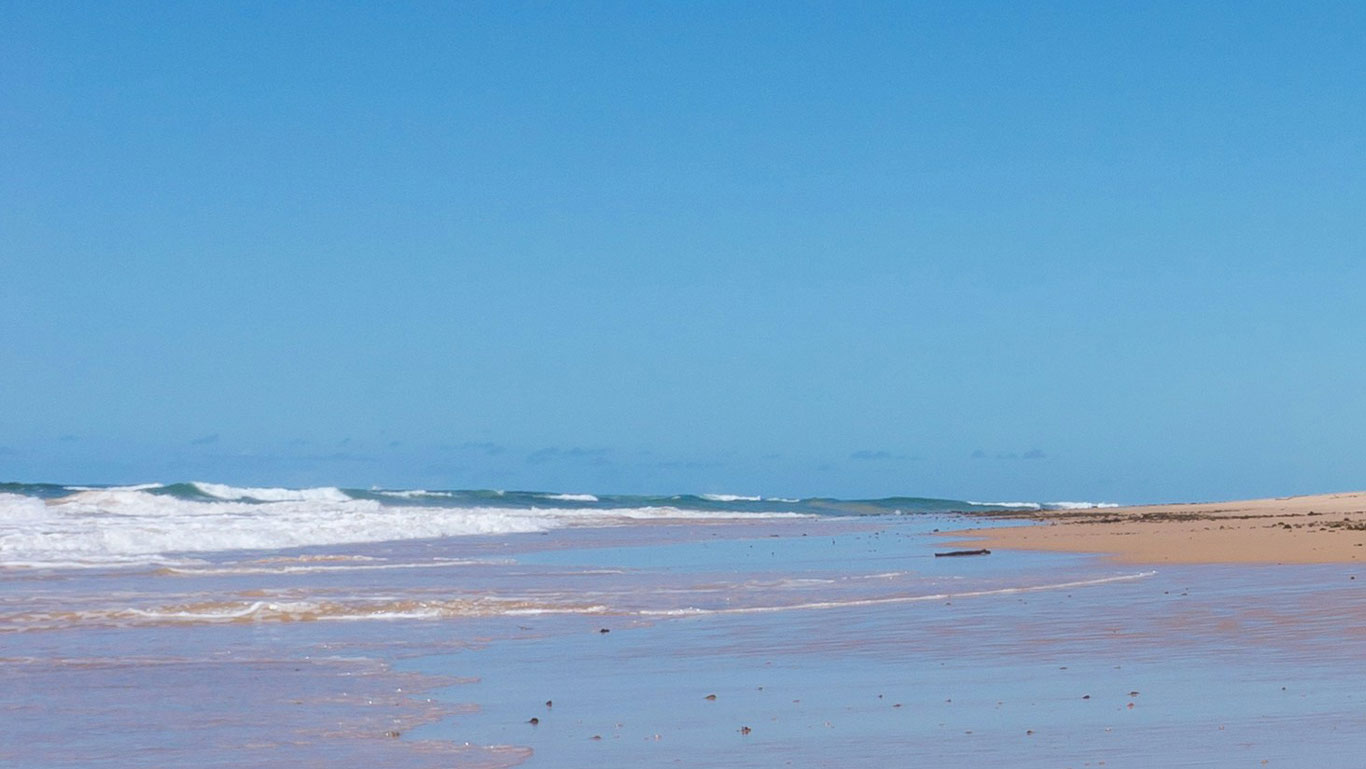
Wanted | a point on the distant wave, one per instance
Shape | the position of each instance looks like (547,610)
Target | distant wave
(134,487)
(222,491)
(1046,505)
(571,497)
(414,493)
(730,498)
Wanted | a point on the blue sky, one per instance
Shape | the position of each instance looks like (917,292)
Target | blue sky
(1034,251)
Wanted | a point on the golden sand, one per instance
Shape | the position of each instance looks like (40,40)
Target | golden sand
(1324,528)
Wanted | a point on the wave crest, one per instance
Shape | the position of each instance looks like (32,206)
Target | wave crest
(234,493)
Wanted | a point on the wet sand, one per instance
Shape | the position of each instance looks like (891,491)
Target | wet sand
(1324,528)
(810,643)
(1201,665)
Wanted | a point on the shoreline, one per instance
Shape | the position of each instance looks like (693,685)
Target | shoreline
(1320,528)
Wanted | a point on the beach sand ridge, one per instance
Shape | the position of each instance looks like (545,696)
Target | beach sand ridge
(1321,528)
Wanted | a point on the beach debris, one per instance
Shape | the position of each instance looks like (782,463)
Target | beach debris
(957,553)
(1029,731)
(604,630)
(1086,696)
(745,730)
(534,720)
(711,697)
(1133,693)
(596,737)
(549,703)
(394,733)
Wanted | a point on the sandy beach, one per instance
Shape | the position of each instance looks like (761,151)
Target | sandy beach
(1322,528)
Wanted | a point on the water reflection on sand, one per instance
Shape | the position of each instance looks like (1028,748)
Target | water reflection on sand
(834,642)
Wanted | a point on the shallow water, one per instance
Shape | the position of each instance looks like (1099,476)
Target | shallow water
(835,641)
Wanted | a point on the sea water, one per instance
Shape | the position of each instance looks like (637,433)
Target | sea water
(202,624)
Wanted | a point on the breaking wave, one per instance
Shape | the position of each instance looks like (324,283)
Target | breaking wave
(116,526)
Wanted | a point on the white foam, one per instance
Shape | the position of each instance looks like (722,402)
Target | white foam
(17,508)
(690,611)
(233,493)
(322,611)
(108,527)
(134,487)
(415,494)
(571,497)
(730,498)
(221,570)
(1009,505)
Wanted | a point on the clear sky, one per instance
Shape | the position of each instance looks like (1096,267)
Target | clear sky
(976,250)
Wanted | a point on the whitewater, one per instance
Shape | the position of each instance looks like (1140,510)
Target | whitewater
(45,525)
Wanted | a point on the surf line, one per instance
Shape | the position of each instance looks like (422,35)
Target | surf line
(895,599)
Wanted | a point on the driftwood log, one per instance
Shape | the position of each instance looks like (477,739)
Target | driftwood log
(955,553)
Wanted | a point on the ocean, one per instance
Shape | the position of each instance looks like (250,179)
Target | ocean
(201,624)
